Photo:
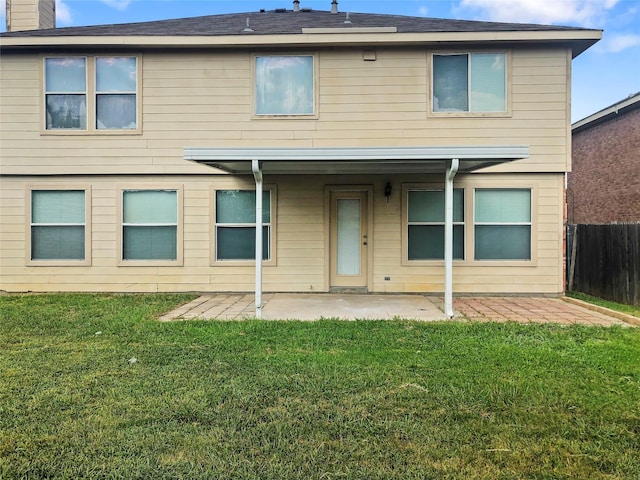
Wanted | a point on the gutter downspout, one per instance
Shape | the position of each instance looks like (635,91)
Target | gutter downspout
(452,169)
(257,175)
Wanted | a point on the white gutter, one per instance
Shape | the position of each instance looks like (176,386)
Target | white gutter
(359,154)
(580,40)
(257,174)
(613,109)
(452,169)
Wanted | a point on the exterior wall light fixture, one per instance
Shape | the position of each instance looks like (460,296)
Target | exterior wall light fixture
(387,191)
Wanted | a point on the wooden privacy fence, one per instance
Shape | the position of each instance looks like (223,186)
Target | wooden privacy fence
(604,261)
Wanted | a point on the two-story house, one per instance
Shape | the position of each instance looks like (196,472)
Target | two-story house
(382,153)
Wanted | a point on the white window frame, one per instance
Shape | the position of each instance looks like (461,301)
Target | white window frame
(406,223)
(46,94)
(471,113)
(179,224)
(256,115)
(271,239)
(91,98)
(507,224)
(86,261)
(97,93)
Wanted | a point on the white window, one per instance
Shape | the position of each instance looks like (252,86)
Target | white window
(425,224)
(469,82)
(108,102)
(285,85)
(58,225)
(116,86)
(66,93)
(502,224)
(235,225)
(150,225)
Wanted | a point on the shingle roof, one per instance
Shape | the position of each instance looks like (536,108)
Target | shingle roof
(283,22)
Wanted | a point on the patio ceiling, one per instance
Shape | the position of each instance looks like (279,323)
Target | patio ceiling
(353,160)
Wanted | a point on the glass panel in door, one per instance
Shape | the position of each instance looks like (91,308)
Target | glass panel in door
(349,237)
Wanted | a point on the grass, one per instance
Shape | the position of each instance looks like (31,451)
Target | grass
(317,400)
(618,307)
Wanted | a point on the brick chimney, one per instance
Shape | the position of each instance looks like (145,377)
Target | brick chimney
(30,14)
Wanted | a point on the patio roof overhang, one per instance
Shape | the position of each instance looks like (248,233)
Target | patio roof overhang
(354,160)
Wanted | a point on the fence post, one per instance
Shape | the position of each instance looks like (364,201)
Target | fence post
(572,259)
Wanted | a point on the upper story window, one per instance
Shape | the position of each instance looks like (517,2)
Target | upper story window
(66,93)
(116,87)
(91,94)
(469,82)
(285,85)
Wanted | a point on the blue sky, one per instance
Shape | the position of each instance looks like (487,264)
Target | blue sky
(604,74)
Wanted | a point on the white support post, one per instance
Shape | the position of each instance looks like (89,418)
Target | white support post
(452,169)
(257,175)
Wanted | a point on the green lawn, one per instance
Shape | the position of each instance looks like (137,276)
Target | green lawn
(316,400)
(619,307)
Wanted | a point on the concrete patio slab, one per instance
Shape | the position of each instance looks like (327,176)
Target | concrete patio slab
(351,307)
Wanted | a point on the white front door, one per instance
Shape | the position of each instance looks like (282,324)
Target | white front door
(348,239)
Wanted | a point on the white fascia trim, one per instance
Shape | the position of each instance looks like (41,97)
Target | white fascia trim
(326,39)
(615,108)
(351,154)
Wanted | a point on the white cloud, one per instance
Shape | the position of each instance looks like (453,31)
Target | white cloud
(117,4)
(423,10)
(583,12)
(620,41)
(63,13)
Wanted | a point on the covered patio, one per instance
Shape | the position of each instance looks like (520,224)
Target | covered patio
(445,160)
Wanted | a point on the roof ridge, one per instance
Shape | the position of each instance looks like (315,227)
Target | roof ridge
(284,22)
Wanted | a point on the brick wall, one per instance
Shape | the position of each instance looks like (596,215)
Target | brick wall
(604,186)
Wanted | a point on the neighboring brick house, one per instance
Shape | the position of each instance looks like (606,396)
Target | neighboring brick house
(604,184)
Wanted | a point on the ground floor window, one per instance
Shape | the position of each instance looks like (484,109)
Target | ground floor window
(150,225)
(58,225)
(502,224)
(235,225)
(425,224)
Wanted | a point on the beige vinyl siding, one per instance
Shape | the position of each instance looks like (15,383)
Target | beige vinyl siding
(205,99)
(300,242)
(30,14)
(47,12)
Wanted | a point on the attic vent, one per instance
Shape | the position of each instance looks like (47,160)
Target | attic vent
(281,10)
